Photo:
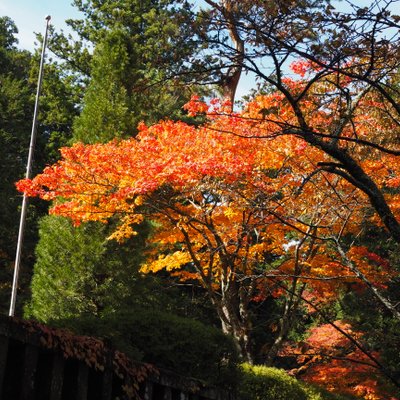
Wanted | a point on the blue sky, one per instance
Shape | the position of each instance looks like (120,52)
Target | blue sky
(29,16)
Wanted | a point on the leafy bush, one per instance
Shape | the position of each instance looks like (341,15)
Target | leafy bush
(266,383)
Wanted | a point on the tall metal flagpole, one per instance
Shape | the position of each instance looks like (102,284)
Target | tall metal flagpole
(28,175)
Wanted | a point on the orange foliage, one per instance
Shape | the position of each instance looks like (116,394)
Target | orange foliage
(329,359)
(239,191)
(261,184)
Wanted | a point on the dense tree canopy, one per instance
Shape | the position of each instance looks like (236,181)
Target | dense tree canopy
(249,214)
(15,105)
(285,210)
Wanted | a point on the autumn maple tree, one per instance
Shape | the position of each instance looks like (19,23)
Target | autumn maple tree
(246,204)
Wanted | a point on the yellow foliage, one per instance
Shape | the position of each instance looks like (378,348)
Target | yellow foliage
(168,262)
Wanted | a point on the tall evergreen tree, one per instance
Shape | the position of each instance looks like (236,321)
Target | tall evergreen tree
(135,46)
(138,46)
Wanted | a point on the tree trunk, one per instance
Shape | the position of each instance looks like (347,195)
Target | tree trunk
(235,318)
(240,333)
(230,80)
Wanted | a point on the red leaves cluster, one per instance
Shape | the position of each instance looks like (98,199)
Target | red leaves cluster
(331,360)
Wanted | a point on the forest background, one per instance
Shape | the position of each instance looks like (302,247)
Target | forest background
(276,224)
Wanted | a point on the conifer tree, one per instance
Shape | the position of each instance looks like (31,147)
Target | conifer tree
(135,45)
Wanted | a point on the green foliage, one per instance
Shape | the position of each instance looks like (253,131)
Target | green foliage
(138,48)
(159,29)
(58,108)
(382,331)
(182,345)
(108,112)
(16,105)
(265,383)
(18,80)
(80,272)
(8,30)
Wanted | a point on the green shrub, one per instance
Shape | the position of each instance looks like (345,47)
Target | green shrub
(266,383)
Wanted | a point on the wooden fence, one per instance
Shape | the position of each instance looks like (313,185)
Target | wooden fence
(35,364)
